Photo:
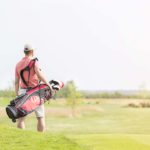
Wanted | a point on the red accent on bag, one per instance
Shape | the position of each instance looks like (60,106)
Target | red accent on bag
(32,103)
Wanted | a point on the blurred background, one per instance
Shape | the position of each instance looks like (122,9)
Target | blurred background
(100,50)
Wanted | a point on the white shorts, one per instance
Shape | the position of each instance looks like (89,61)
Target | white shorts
(40,111)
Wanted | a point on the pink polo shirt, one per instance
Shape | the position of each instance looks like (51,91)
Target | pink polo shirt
(33,80)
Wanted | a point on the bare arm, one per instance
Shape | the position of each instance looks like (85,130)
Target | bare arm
(16,85)
(41,76)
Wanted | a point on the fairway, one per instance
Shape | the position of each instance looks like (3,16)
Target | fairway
(113,141)
(102,124)
(14,139)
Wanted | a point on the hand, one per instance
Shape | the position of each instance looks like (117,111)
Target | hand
(50,86)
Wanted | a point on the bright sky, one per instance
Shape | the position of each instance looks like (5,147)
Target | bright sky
(100,44)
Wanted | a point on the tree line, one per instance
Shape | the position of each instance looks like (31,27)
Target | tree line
(70,91)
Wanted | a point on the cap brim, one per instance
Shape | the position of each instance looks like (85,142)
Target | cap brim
(27,50)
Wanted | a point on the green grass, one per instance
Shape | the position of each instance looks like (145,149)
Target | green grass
(106,125)
(113,141)
(4,101)
(15,139)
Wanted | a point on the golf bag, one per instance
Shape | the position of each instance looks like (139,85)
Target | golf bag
(26,103)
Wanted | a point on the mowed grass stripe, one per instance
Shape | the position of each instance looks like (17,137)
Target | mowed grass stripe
(112,141)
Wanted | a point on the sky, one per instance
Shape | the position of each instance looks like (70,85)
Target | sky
(100,44)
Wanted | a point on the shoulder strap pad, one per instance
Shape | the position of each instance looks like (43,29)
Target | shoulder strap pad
(32,62)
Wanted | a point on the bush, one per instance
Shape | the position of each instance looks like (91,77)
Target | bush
(7,93)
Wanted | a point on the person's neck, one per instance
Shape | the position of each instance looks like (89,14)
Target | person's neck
(29,56)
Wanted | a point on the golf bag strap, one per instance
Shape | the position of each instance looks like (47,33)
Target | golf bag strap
(27,68)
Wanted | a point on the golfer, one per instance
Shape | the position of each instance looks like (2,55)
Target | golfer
(33,80)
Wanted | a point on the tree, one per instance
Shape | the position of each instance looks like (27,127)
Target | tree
(72,95)
(143,92)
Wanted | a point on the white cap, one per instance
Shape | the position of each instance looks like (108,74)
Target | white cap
(28,47)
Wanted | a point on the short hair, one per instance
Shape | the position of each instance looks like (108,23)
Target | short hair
(27,52)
